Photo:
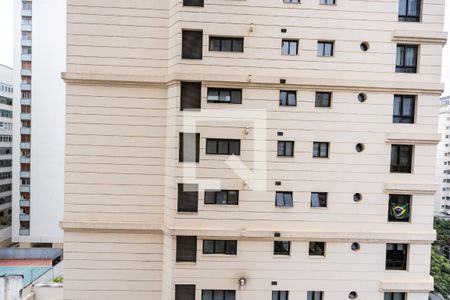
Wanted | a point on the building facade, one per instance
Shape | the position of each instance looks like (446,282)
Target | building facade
(38,177)
(248,149)
(442,202)
(6,124)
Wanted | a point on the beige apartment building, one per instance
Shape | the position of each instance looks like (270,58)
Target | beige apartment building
(251,150)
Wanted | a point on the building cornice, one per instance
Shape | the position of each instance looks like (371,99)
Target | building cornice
(406,283)
(415,138)
(379,236)
(422,37)
(410,188)
(255,82)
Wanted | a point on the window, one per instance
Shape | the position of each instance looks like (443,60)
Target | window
(325,48)
(316,248)
(280,295)
(192,44)
(288,98)
(396,256)
(282,248)
(186,248)
(223,147)
(323,99)
(406,59)
(191,95)
(184,292)
(409,10)
(328,2)
(320,149)
(318,199)
(289,47)
(315,295)
(285,148)
(193,3)
(395,296)
(225,95)
(189,150)
(399,208)
(187,197)
(218,295)
(284,199)
(226,44)
(225,197)
(404,107)
(401,158)
(291,1)
(219,247)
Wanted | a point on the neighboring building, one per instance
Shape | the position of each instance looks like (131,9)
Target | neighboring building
(38,184)
(332,107)
(442,203)
(6,125)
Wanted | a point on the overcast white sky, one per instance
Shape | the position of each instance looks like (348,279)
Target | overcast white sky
(6,39)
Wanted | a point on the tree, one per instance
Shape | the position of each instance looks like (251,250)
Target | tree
(440,270)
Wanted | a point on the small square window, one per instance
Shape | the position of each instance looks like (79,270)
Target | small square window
(323,99)
(404,108)
(401,158)
(325,48)
(285,148)
(316,248)
(409,10)
(193,3)
(399,208)
(318,199)
(288,98)
(291,1)
(395,296)
(396,256)
(282,248)
(327,2)
(284,199)
(184,292)
(289,47)
(314,295)
(280,295)
(320,149)
(407,58)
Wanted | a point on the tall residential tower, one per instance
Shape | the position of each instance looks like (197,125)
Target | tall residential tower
(251,150)
(38,177)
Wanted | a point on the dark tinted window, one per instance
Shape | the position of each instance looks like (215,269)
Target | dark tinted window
(409,10)
(314,295)
(225,95)
(396,256)
(406,59)
(186,248)
(189,148)
(282,248)
(328,2)
(284,199)
(226,44)
(288,98)
(218,295)
(399,208)
(318,199)
(223,147)
(320,149)
(193,2)
(395,296)
(228,247)
(404,107)
(280,295)
(285,148)
(401,158)
(323,99)
(224,197)
(184,292)
(192,46)
(191,94)
(317,248)
(187,197)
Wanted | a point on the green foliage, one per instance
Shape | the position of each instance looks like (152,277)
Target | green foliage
(58,279)
(440,265)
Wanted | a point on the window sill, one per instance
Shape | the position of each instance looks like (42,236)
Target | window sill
(316,256)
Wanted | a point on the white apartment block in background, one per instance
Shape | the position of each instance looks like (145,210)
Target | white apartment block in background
(442,203)
(6,126)
(38,155)
(332,105)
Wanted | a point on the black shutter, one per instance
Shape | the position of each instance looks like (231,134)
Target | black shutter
(184,292)
(193,3)
(192,44)
(191,95)
(186,248)
(187,197)
(189,147)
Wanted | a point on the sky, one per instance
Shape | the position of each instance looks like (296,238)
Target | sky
(6,40)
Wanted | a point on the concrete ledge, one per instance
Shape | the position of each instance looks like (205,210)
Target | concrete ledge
(424,37)
(109,226)
(411,285)
(410,188)
(412,138)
